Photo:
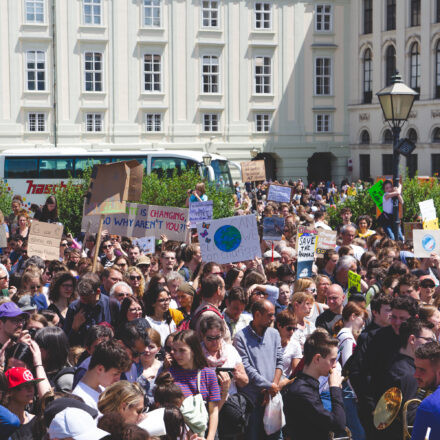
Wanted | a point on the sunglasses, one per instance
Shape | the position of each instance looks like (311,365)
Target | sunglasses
(33,287)
(121,294)
(135,277)
(63,244)
(108,246)
(213,338)
(426,285)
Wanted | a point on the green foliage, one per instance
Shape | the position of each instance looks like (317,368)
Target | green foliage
(5,198)
(70,203)
(415,191)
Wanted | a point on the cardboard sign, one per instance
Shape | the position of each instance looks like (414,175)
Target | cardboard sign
(112,185)
(229,240)
(253,171)
(144,221)
(44,240)
(147,245)
(408,229)
(354,280)
(326,240)
(3,239)
(426,242)
(200,211)
(376,193)
(427,210)
(273,228)
(280,193)
(306,244)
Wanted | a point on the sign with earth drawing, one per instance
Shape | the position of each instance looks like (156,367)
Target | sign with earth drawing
(228,240)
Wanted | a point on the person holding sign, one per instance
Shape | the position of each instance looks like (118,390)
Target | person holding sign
(196,195)
(386,218)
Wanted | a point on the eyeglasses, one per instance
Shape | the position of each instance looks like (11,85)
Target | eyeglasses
(135,277)
(164,300)
(18,320)
(34,287)
(121,294)
(427,339)
(108,246)
(311,289)
(63,244)
(136,310)
(427,285)
(213,338)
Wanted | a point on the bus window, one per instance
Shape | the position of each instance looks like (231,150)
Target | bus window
(222,173)
(52,168)
(21,167)
(165,166)
(141,160)
(85,162)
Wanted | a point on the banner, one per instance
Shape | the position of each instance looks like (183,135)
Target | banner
(229,240)
(426,242)
(147,245)
(354,280)
(200,211)
(376,193)
(142,221)
(306,243)
(279,193)
(253,171)
(326,240)
(44,240)
(273,228)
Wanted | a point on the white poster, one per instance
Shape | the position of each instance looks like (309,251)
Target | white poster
(306,254)
(427,209)
(425,242)
(229,240)
(147,245)
(279,193)
(200,211)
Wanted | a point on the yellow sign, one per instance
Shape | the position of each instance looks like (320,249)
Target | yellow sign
(354,280)
(430,224)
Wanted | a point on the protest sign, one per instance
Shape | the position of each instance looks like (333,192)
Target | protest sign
(354,280)
(426,242)
(326,240)
(376,193)
(253,171)
(144,220)
(429,214)
(306,243)
(44,240)
(409,227)
(228,240)
(430,224)
(280,193)
(273,228)
(147,245)
(200,211)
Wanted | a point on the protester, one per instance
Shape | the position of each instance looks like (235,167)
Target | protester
(136,281)
(62,292)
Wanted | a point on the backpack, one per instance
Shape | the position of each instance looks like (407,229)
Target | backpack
(188,323)
(55,381)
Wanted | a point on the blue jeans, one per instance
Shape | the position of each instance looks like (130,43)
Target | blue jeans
(255,428)
(351,414)
(390,233)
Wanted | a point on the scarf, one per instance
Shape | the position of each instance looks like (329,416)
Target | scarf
(213,360)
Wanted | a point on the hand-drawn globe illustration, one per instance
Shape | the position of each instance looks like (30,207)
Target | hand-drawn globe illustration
(227,238)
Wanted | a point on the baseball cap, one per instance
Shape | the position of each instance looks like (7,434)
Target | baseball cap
(143,260)
(25,304)
(427,277)
(10,310)
(75,423)
(18,376)
(268,254)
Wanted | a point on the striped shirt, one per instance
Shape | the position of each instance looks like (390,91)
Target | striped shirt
(187,381)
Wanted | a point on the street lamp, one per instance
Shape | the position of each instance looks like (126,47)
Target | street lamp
(254,152)
(207,158)
(396,101)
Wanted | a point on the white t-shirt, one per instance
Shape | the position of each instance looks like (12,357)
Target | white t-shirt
(232,359)
(346,344)
(300,334)
(317,309)
(291,351)
(89,395)
(162,328)
(387,205)
(323,226)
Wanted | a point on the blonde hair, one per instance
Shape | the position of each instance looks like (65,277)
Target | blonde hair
(154,336)
(118,393)
(302,284)
(139,292)
(201,187)
(300,297)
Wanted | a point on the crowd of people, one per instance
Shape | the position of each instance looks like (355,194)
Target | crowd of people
(167,344)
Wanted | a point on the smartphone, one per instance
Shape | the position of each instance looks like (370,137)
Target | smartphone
(226,370)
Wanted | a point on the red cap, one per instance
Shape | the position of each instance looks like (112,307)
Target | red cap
(17,376)
(427,277)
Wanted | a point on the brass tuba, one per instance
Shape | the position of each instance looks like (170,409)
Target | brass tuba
(347,437)
(421,394)
(387,408)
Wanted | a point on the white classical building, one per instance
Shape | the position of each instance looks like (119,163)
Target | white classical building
(389,35)
(220,75)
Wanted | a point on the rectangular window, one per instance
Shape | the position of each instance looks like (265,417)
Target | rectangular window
(210,122)
(153,122)
(391,15)
(152,73)
(210,74)
(323,123)
(323,76)
(36,122)
(415,13)
(34,11)
(364,166)
(262,122)
(92,11)
(210,13)
(368,16)
(152,13)
(411,164)
(94,122)
(437,11)
(36,70)
(387,164)
(93,71)
(323,18)
(263,75)
(435,164)
(263,15)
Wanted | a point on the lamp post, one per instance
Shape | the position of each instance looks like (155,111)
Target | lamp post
(207,159)
(396,101)
(255,152)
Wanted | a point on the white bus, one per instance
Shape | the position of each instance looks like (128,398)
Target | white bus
(34,174)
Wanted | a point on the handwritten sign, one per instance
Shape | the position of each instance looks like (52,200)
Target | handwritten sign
(279,193)
(427,210)
(229,240)
(44,240)
(273,228)
(253,171)
(147,245)
(376,193)
(354,280)
(306,244)
(142,221)
(200,211)
(326,240)
(426,242)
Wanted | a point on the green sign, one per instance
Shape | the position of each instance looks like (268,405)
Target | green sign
(376,193)
(354,280)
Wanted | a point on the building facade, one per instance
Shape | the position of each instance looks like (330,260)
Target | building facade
(217,75)
(392,35)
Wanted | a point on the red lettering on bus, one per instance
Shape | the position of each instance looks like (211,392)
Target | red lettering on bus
(34,188)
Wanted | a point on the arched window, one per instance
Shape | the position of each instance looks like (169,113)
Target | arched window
(437,70)
(436,135)
(387,137)
(414,72)
(390,64)
(412,135)
(365,137)
(368,80)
